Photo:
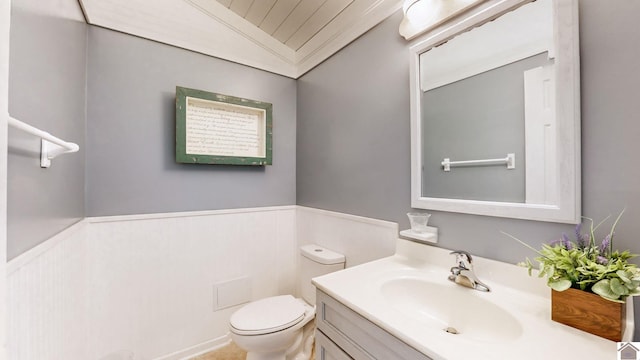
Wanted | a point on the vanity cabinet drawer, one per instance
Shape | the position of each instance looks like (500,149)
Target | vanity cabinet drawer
(357,336)
(327,350)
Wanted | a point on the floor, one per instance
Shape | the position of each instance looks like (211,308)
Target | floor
(230,352)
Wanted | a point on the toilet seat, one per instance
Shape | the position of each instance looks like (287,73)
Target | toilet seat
(268,315)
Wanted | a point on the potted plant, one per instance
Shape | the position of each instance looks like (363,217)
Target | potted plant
(590,281)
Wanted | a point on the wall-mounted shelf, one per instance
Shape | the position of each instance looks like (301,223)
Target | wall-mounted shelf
(50,147)
(430,236)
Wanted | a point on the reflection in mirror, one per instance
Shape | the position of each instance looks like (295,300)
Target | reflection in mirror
(473,100)
(495,120)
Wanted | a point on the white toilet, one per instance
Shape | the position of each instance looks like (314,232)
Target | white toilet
(281,327)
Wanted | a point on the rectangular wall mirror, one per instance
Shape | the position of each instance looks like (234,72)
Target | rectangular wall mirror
(495,112)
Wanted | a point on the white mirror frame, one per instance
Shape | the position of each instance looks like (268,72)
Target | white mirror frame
(567,73)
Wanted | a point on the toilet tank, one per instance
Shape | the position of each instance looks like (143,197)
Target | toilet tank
(316,261)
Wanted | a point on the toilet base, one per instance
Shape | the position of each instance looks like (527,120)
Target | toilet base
(300,349)
(305,350)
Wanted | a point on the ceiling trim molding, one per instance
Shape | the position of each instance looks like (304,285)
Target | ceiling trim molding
(207,27)
(192,29)
(342,30)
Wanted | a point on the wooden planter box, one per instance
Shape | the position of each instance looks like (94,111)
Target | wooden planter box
(588,312)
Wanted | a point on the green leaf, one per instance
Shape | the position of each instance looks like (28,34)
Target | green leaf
(632,285)
(603,289)
(559,285)
(545,269)
(618,287)
(529,266)
(623,275)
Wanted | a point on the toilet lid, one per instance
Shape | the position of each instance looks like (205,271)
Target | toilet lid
(267,315)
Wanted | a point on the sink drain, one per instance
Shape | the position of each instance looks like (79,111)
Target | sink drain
(451,330)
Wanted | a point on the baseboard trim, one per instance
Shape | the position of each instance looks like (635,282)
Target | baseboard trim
(199,349)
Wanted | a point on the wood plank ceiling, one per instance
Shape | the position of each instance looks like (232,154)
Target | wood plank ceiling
(291,22)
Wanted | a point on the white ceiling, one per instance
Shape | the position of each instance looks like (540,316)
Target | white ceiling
(287,37)
(292,22)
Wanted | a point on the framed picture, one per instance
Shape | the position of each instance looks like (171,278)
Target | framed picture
(221,129)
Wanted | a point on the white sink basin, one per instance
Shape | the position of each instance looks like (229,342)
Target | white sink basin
(461,311)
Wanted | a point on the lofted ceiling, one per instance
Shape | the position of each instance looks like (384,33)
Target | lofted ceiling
(291,22)
(287,37)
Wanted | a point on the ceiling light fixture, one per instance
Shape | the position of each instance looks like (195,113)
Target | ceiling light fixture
(422,15)
(421,11)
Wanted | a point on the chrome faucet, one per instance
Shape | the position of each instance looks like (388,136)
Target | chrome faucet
(463,274)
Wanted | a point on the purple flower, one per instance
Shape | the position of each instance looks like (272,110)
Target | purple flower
(566,242)
(579,232)
(605,244)
(602,260)
(585,239)
(581,239)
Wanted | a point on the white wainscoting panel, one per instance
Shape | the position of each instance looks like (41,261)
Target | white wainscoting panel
(47,299)
(360,239)
(140,287)
(153,288)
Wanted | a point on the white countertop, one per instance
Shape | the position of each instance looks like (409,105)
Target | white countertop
(524,299)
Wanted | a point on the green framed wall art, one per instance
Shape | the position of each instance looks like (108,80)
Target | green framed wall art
(221,129)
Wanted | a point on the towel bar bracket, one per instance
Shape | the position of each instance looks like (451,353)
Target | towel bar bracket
(49,150)
(50,146)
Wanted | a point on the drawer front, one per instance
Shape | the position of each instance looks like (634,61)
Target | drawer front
(327,350)
(357,336)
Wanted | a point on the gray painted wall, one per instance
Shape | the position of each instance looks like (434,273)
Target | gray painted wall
(353,135)
(480,117)
(353,128)
(46,90)
(131,166)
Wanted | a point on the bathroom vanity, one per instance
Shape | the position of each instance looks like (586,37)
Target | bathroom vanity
(404,307)
(342,328)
